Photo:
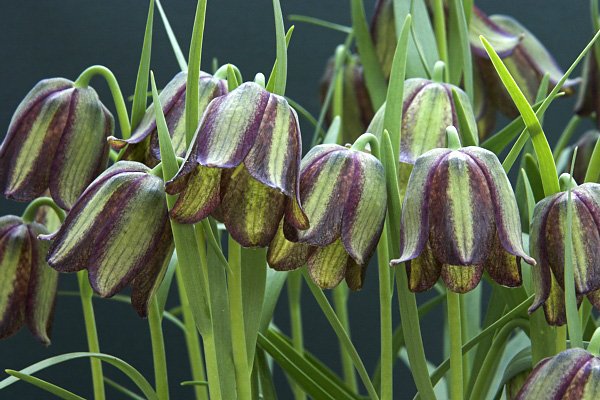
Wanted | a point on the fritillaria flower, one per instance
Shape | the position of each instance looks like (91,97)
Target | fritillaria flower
(460,218)
(143,143)
(57,141)
(27,284)
(119,231)
(428,109)
(547,245)
(572,374)
(344,196)
(243,167)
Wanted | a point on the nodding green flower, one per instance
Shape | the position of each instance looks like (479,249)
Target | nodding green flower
(428,109)
(343,193)
(143,144)
(119,231)
(56,140)
(460,218)
(27,284)
(243,167)
(572,374)
(547,245)
(523,54)
(357,110)
(588,101)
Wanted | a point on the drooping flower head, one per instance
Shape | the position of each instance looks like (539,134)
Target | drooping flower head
(243,167)
(460,218)
(143,144)
(119,231)
(344,196)
(56,140)
(572,374)
(547,245)
(27,284)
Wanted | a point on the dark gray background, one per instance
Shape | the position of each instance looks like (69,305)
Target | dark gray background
(40,39)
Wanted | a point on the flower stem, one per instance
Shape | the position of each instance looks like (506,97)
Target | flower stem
(385,315)
(340,304)
(91,333)
(456,358)
(83,81)
(161,379)
(439,23)
(238,329)
(294,286)
(367,138)
(191,338)
(32,208)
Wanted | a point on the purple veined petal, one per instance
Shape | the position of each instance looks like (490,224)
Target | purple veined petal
(365,207)
(586,382)
(82,148)
(15,270)
(199,197)
(503,42)
(506,211)
(504,268)
(554,306)
(461,278)
(423,271)
(327,265)
(284,255)
(414,230)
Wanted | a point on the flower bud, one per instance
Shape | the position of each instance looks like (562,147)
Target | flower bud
(56,140)
(143,144)
(344,196)
(243,167)
(428,109)
(547,246)
(523,54)
(119,231)
(588,101)
(27,284)
(572,374)
(460,218)
(357,108)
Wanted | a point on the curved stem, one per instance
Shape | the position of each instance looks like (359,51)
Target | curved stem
(385,315)
(363,140)
(83,81)
(161,379)
(238,329)
(31,210)
(294,286)
(452,138)
(91,333)
(456,358)
(340,304)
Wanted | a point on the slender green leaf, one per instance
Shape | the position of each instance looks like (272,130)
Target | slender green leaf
(194,383)
(333,133)
(46,386)
(320,22)
(141,84)
(281,74)
(275,282)
(566,136)
(459,42)
(172,39)
(254,279)
(467,136)
(273,76)
(122,389)
(165,286)
(265,376)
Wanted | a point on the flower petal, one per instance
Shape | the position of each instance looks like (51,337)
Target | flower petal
(461,278)
(355,274)
(327,265)
(503,42)
(423,271)
(503,267)
(200,197)
(284,255)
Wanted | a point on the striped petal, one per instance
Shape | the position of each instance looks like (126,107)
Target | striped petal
(327,265)
(414,229)
(355,275)
(461,278)
(503,267)
(284,255)
(423,271)
(43,285)
(503,42)
(200,195)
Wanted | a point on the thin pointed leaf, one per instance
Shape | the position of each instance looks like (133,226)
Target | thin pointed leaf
(122,389)
(280,38)
(254,278)
(172,39)
(467,135)
(46,386)
(273,76)
(141,85)
(320,22)
(333,133)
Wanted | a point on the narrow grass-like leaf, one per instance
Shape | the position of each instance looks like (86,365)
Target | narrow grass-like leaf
(172,39)
(194,383)
(320,22)
(192,91)
(392,120)
(333,133)
(281,68)
(273,76)
(44,385)
(459,39)
(265,376)
(122,389)
(124,367)
(467,136)
(374,77)
(254,279)
(165,287)
(538,138)
(566,136)
(141,84)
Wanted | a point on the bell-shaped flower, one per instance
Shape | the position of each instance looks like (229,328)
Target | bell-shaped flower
(143,144)
(460,218)
(357,110)
(344,196)
(119,231)
(573,374)
(27,284)
(428,109)
(547,245)
(56,140)
(243,167)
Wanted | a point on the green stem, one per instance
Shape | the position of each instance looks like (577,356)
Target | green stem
(439,24)
(566,135)
(341,334)
(83,81)
(340,304)
(281,48)
(456,358)
(32,208)
(294,286)
(159,357)
(91,333)
(191,338)
(596,27)
(367,138)
(385,316)
(238,329)
(452,138)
